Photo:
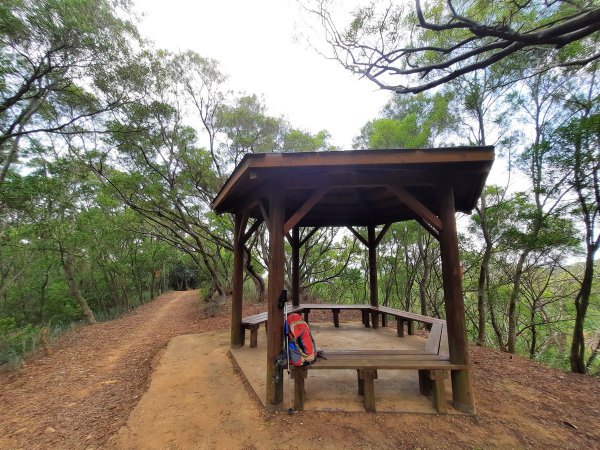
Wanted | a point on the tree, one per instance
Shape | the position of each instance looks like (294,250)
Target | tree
(58,61)
(248,129)
(576,158)
(412,51)
(203,81)
(409,122)
(162,173)
(295,140)
(492,213)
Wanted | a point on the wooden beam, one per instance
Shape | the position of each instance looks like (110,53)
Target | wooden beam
(432,231)
(361,201)
(308,236)
(359,236)
(252,230)
(264,213)
(288,237)
(416,206)
(361,180)
(305,208)
(276,285)
(382,233)
(458,347)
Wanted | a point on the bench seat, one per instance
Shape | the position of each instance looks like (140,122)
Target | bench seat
(431,362)
(401,317)
(252,323)
(432,370)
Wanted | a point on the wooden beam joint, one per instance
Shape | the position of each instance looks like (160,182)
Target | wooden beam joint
(305,208)
(359,236)
(417,207)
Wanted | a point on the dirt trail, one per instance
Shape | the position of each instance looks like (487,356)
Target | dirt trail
(82,395)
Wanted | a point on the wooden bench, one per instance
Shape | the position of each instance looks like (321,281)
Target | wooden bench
(252,323)
(335,308)
(431,362)
(432,371)
(403,317)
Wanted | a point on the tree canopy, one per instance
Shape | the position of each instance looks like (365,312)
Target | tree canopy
(410,50)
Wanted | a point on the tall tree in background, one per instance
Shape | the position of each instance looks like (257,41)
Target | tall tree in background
(410,122)
(576,159)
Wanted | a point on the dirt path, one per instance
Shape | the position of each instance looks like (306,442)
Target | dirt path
(84,392)
(82,395)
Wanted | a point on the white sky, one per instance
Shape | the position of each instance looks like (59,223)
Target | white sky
(258,46)
(256,43)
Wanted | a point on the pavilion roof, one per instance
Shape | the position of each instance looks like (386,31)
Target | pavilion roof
(358,187)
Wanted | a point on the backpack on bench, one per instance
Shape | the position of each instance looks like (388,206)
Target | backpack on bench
(302,348)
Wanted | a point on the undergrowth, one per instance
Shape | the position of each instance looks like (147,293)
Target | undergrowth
(18,341)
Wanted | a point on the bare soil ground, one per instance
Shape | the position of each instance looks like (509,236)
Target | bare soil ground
(84,393)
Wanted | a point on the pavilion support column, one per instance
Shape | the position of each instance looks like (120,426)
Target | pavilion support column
(373,273)
(296,266)
(462,391)
(237,281)
(276,285)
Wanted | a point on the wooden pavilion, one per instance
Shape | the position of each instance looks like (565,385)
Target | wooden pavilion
(363,188)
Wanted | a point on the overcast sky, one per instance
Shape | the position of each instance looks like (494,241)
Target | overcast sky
(258,46)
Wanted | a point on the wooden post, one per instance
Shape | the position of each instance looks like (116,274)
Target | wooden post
(462,393)
(439,391)
(296,266)
(237,282)
(276,285)
(373,273)
(400,326)
(369,375)
(299,375)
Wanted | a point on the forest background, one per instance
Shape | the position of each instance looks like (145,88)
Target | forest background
(111,151)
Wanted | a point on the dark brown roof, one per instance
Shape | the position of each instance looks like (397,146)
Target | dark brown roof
(358,182)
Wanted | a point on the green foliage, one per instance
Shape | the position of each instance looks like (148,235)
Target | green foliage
(415,122)
(15,341)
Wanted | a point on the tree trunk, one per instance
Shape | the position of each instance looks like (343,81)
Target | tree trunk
(259,283)
(154,284)
(593,356)
(423,283)
(512,306)
(495,326)
(481,288)
(582,301)
(67,263)
(533,334)
(43,296)
(484,271)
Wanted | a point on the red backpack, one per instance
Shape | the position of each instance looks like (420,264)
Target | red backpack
(302,349)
